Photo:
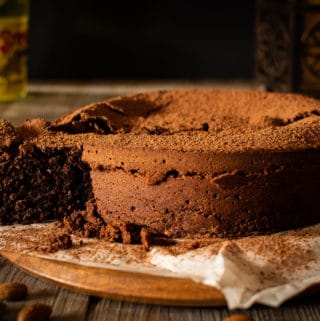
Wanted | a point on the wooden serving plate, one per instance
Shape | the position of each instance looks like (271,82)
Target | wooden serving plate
(120,285)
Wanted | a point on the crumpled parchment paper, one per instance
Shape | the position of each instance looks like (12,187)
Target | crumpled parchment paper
(260,269)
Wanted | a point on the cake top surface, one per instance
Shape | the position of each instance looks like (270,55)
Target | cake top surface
(168,112)
(187,120)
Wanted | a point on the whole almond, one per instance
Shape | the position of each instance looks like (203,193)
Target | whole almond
(37,311)
(13,291)
(3,306)
(238,317)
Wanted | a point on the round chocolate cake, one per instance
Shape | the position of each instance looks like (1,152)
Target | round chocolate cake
(178,163)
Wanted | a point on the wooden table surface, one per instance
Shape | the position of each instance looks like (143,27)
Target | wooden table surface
(49,100)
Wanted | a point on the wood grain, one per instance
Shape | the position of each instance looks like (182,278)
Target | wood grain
(120,285)
(128,311)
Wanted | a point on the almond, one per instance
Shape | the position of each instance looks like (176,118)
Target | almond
(37,311)
(13,291)
(238,317)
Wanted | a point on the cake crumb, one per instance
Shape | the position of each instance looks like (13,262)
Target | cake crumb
(146,239)
(56,242)
(193,245)
(121,232)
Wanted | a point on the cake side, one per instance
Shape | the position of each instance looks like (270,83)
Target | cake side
(186,193)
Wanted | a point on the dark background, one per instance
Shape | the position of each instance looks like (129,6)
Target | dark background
(81,39)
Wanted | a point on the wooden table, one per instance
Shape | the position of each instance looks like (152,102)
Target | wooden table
(49,100)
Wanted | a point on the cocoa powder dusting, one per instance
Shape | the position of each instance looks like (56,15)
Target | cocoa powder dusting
(290,250)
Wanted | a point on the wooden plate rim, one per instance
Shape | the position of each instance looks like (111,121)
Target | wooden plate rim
(118,284)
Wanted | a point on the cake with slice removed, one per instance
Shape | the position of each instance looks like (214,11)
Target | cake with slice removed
(178,163)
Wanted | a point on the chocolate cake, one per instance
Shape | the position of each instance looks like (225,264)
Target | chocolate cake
(178,163)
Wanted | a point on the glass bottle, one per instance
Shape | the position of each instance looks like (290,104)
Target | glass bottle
(14,18)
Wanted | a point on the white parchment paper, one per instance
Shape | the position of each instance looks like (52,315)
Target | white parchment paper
(261,269)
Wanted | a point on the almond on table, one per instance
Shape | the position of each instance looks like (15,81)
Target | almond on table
(35,312)
(13,291)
